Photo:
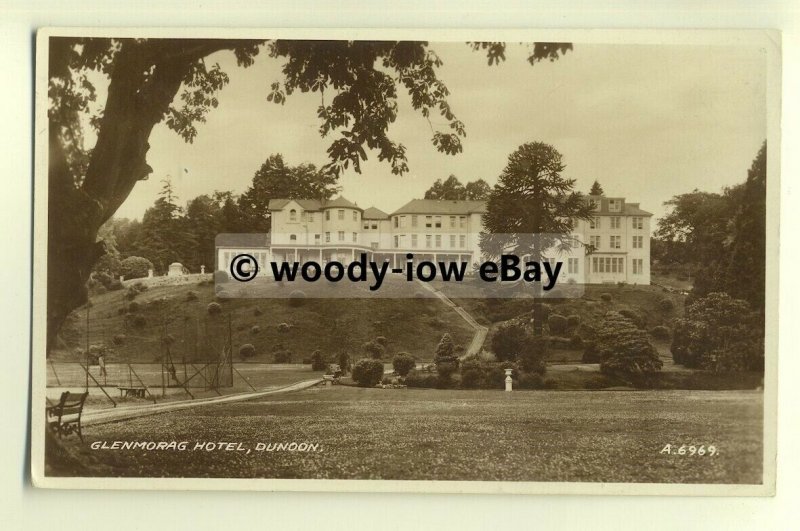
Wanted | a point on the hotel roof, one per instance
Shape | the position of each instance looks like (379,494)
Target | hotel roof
(441,206)
(313,204)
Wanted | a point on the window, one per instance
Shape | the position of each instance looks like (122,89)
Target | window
(414,221)
(402,222)
(413,240)
(341,235)
(428,221)
(462,221)
(638,266)
(397,242)
(638,223)
(303,216)
(355,215)
(327,237)
(366,225)
(615,222)
(438,222)
(462,241)
(293,215)
(452,222)
(596,206)
(428,241)
(396,222)
(355,237)
(316,238)
(594,223)
(453,241)
(438,241)
(608,264)
(327,215)
(572,266)
(341,215)
(311,217)
(638,241)
(615,205)
(293,237)
(375,226)
(615,242)
(594,241)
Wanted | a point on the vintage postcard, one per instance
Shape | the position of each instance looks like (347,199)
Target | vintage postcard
(404,260)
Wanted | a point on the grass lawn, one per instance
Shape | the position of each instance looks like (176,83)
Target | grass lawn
(588,436)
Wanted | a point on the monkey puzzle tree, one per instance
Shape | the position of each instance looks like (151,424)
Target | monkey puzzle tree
(144,76)
(533,210)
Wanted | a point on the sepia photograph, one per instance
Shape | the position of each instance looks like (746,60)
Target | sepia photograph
(406,261)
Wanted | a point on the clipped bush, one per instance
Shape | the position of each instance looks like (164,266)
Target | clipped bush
(284,328)
(666,305)
(367,373)
(422,380)
(282,356)
(214,308)
(605,297)
(135,267)
(631,315)
(247,351)
(344,362)
(255,329)
(403,363)
(445,358)
(660,332)
(477,375)
(573,321)
(297,298)
(191,296)
(557,324)
(625,351)
(381,340)
(119,339)
(221,277)
(318,361)
(133,307)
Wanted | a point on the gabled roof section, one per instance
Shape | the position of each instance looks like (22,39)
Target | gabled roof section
(628,209)
(313,204)
(441,206)
(374,213)
(245,240)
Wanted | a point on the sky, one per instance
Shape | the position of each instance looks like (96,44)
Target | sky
(647,121)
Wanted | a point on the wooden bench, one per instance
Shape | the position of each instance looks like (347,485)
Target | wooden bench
(136,392)
(64,417)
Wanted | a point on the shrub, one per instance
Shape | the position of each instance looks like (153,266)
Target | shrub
(367,373)
(255,329)
(445,357)
(131,294)
(403,363)
(590,352)
(666,305)
(297,298)
(119,339)
(139,321)
(374,349)
(573,321)
(509,341)
(381,340)
(625,351)
(318,361)
(344,362)
(221,277)
(477,375)
(114,285)
(605,297)
(720,334)
(247,351)
(557,324)
(531,359)
(530,381)
(133,307)
(660,332)
(284,328)
(135,267)
(423,380)
(631,315)
(214,308)
(191,296)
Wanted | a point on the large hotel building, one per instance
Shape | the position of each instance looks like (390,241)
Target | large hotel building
(616,240)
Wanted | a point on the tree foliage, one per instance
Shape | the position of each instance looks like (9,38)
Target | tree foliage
(533,210)
(596,189)
(452,189)
(719,333)
(624,350)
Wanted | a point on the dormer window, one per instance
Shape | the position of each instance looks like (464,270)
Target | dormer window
(293,215)
(615,205)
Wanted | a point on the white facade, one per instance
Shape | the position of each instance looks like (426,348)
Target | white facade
(615,244)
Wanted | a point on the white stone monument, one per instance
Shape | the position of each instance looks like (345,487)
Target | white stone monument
(175,270)
(202,270)
(509,383)
(150,273)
